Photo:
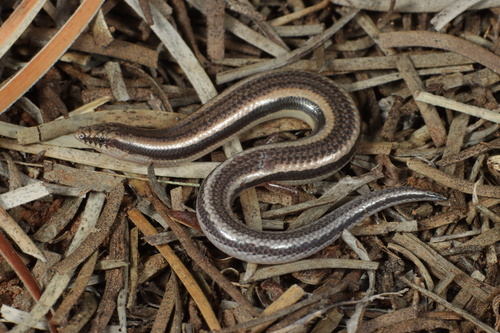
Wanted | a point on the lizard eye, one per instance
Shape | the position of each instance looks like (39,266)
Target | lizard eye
(82,135)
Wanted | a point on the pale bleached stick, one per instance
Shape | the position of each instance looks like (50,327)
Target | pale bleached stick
(409,6)
(450,12)
(444,102)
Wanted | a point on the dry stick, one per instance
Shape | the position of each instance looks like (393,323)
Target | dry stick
(58,283)
(450,12)
(184,23)
(291,296)
(16,263)
(458,184)
(421,61)
(343,284)
(383,321)
(369,26)
(61,316)
(146,11)
(215,29)
(409,6)
(179,50)
(50,9)
(157,189)
(455,139)
(448,305)
(444,102)
(289,57)
(119,49)
(442,41)
(154,85)
(166,307)
(246,8)
(441,267)
(116,81)
(282,20)
(198,257)
(101,31)
(244,32)
(91,243)
(179,268)
(133,270)
(17,234)
(428,112)
(114,279)
(47,56)
(311,264)
(416,261)
(480,148)
(17,22)
(373,31)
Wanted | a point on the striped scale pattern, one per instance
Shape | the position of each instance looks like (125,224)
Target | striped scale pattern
(335,125)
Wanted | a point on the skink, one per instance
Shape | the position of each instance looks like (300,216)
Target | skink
(322,104)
